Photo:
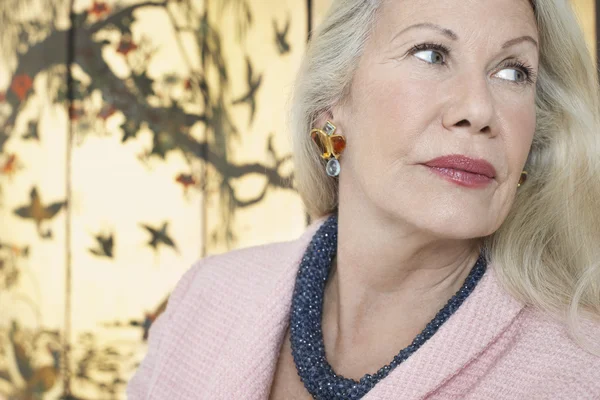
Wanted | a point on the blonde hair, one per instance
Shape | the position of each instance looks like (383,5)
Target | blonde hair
(547,251)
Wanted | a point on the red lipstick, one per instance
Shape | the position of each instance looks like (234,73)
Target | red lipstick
(463,170)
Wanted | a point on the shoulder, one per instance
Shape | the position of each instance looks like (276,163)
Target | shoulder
(554,338)
(245,270)
(550,347)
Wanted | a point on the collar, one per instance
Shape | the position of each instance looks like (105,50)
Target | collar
(257,337)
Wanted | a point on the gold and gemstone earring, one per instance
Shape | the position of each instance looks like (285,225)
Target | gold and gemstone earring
(330,145)
(522,179)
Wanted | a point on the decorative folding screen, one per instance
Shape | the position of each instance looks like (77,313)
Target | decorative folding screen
(174,147)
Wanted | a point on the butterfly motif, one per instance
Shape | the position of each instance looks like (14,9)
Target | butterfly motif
(329,144)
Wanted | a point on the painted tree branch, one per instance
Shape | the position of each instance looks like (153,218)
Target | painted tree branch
(40,57)
(127,97)
(113,19)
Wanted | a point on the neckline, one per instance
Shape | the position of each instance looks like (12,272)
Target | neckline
(308,349)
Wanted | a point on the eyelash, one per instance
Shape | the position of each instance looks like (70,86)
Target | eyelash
(525,68)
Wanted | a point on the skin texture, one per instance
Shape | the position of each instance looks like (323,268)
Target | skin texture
(407,237)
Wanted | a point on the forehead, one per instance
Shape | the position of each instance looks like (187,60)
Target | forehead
(467,18)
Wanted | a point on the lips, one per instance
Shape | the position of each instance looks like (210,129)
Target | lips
(463,163)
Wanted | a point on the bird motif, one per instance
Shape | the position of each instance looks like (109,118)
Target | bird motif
(16,250)
(160,236)
(37,381)
(46,376)
(36,211)
(253,85)
(105,245)
(21,356)
(149,318)
(283,46)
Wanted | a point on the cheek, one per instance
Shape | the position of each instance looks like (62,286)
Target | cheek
(390,113)
(519,127)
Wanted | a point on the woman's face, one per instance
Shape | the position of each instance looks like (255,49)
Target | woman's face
(441,78)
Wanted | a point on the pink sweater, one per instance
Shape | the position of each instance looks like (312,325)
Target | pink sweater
(220,336)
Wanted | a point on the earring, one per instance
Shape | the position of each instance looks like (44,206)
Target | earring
(330,145)
(522,179)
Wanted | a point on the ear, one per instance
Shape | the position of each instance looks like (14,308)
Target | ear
(336,114)
(322,118)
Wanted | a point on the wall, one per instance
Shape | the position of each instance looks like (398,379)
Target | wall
(174,147)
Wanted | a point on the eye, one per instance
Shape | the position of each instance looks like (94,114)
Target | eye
(431,53)
(517,72)
(512,75)
(431,56)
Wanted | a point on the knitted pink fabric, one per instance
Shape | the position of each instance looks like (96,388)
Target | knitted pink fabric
(220,336)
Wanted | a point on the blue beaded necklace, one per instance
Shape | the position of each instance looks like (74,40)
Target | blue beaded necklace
(308,348)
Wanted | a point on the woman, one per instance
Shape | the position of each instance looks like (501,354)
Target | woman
(436,269)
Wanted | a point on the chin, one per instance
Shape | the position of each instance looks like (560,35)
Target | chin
(458,224)
(456,231)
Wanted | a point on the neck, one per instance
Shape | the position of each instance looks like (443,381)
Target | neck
(385,268)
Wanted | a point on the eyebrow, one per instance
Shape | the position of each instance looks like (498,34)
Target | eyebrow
(444,31)
(518,40)
(453,36)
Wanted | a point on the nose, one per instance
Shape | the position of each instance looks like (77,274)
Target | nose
(471,106)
